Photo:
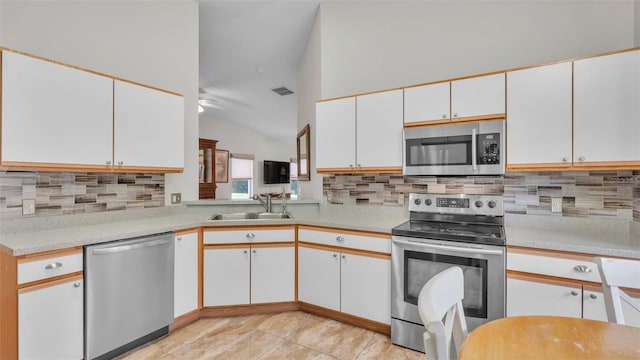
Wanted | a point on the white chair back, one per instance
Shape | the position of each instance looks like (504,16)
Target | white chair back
(442,296)
(616,273)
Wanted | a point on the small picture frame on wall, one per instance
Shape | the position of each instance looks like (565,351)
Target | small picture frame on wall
(222,166)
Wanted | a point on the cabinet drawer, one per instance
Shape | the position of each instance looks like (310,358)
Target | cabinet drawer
(43,267)
(375,242)
(569,268)
(248,235)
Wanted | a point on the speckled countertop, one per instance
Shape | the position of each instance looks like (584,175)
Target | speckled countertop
(602,237)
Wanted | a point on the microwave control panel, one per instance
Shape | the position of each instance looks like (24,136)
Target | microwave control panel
(488,149)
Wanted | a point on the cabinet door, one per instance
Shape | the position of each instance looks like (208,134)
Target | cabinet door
(593,307)
(185,274)
(319,277)
(336,133)
(50,321)
(272,274)
(427,103)
(606,90)
(148,127)
(481,96)
(525,297)
(365,287)
(226,276)
(379,129)
(54,114)
(539,127)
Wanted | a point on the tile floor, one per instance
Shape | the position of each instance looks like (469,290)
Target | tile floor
(289,335)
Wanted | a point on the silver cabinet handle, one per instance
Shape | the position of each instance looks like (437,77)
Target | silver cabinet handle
(76,284)
(54,265)
(245,251)
(593,296)
(344,256)
(251,236)
(359,165)
(340,238)
(444,116)
(582,269)
(455,115)
(120,162)
(179,238)
(108,162)
(254,251)
(574,293)
(565,159)
(335,255)
(581,158)
(351,165)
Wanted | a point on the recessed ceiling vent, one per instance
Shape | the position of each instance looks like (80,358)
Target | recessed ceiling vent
(282,91)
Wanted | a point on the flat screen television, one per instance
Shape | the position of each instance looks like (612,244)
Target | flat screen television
(276,172)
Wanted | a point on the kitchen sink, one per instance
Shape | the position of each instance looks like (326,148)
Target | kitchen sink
(250,216)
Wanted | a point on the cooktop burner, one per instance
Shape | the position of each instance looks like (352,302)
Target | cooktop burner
(460,217)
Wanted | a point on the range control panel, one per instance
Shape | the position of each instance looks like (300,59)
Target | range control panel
(457,204)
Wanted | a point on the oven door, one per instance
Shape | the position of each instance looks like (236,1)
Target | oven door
(414,263)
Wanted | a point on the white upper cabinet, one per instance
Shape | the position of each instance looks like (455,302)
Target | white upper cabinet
(481,97)
(606,95)
(379,129)
(148,127)
(54,114)
(427,103)
(475,98)
(360,133)
(336,133)
(539,127)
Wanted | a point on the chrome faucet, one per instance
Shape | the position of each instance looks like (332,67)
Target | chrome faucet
(284,201)
(267,204)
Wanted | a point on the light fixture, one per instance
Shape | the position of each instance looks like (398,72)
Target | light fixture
(200,109)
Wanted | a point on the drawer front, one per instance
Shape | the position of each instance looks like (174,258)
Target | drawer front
(248,236)
(553,266)
(34,270)
(346,239)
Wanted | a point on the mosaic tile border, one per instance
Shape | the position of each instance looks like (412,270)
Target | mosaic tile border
(78,193)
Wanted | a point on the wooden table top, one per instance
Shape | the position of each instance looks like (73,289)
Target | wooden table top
(551,337)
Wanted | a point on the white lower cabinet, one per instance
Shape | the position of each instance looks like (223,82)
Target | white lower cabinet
(525,297)
(185,282)
(354,284)
(50,320)
(251,274)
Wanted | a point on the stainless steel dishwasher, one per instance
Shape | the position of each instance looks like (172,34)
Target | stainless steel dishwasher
(128,293)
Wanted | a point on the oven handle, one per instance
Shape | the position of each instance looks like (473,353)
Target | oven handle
(450,248)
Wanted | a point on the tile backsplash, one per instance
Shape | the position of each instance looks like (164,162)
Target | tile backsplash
(602,194)
(58,193)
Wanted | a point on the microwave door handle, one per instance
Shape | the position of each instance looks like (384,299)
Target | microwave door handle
(474,165)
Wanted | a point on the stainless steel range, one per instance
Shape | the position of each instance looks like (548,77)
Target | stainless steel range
(445,231)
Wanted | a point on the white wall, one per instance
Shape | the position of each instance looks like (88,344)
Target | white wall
(368,46)
(241,140)
(150,42)
(309,90)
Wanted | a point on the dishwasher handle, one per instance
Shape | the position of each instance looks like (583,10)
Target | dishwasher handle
(129,247)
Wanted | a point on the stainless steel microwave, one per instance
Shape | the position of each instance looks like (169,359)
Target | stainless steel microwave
(455,149)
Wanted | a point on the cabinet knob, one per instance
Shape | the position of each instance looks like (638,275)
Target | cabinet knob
(574,293)
(565,159)
(120,162)
(108,162)
(245,251)
(593,296)
(251,236)
(455,115)
(335,255)
(254,251)
(344,256)
(340,238)
(581,158)
(351,165)
(582,269)
(179,238)
(359,165)
(444,116)
(76,284)
(54,265)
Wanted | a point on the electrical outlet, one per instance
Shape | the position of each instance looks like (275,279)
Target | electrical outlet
(28,207)
(176,198)
(556,205)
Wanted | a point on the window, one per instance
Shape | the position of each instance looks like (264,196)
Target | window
(241,176)
(294,178)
